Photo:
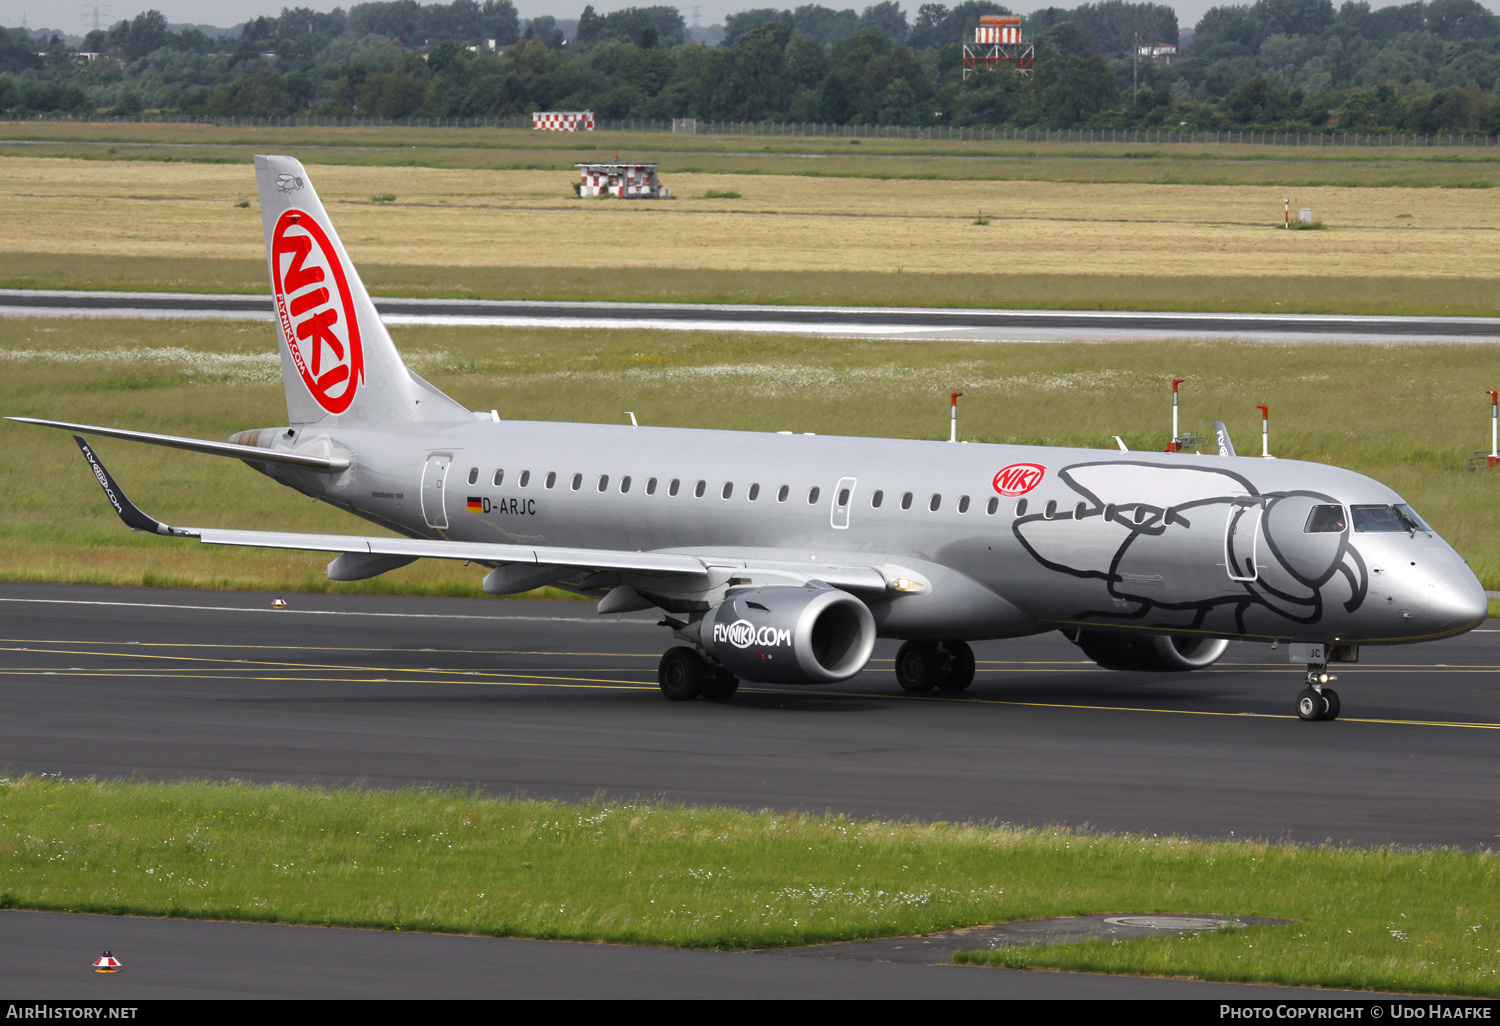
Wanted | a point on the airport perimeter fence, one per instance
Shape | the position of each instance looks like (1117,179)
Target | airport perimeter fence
(951,133)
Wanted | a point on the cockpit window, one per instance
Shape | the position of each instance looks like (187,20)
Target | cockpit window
(1325,520)
(1406,511)
(1383,519)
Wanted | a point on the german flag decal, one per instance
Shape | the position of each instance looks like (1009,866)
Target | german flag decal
(476,505)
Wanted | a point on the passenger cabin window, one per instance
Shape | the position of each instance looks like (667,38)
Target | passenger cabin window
(1109,512)
(934,502)
(473,475)
(499,476)
(992,506)
(651,486)
(754,492)
(603,482)
(1140,514)
(1050,510)
(843,497)
(577,481)
(1020,507)
(624,484)
(699,489)
(963,504)
(1080,511)
(551,478)
(877,499)
(812,495)
(1325,520)
(525,478)
(727,490)
(674,486)
(906,500)
(783,493)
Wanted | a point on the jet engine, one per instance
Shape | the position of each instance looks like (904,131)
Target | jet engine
(790,635)
(1157,652)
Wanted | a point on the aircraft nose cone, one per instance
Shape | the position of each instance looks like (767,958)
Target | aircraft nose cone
(1459,602)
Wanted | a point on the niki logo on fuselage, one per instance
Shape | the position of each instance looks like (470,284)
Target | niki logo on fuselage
(1019,478)
(316,311)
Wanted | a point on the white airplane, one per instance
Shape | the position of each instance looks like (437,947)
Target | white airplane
(781,558)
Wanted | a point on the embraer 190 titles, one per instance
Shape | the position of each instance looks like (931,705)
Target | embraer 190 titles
(788,567)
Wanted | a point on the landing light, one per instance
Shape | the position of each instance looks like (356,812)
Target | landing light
(905,584)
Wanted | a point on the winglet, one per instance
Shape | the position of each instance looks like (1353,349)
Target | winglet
(1221,436)
(133,517)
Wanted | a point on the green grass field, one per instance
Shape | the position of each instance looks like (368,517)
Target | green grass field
(1407,415)
(523,149)
(1446,297)
(1389,919)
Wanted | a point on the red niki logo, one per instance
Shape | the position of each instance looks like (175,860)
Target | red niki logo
(1019,478)
(318,324)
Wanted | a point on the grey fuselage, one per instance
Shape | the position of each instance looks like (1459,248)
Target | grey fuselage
(1170,543)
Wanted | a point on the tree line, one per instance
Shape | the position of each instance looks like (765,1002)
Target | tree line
(1427,66)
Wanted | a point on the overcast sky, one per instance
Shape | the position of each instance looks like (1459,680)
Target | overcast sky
(77,17)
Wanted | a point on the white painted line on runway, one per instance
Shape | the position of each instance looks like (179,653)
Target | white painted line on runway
(324,612)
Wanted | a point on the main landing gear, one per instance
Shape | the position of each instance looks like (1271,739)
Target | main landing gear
(924,665)
(685,675)
(1318,701)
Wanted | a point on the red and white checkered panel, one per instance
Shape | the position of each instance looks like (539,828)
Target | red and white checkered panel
(563,120)
(631,180)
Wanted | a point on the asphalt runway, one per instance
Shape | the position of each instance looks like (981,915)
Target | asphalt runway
(549,700)
(964,325)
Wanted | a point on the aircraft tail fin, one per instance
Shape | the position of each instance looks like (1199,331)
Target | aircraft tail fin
(338,363)
(1221,438)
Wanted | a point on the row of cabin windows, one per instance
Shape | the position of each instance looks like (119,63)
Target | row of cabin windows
(877,498)
(674,487)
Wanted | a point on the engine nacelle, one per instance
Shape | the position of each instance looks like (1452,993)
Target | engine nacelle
(790,635)
(1156,652)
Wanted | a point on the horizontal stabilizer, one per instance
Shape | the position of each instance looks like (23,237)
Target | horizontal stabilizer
(254,454)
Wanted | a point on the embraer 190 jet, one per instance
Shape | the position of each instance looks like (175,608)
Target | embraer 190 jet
(780,558)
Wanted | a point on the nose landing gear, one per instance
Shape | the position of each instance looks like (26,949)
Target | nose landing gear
(1318,701)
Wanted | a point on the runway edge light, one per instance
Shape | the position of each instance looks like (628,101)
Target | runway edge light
(106,963)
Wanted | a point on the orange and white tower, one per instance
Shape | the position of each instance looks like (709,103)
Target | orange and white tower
(998,41)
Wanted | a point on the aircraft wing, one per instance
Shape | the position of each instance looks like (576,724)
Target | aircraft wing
(398,551)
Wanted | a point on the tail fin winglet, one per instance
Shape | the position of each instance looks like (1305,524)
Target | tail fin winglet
(1221,436)
(127,510)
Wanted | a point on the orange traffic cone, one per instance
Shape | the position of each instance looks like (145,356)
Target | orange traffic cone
(106,963)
